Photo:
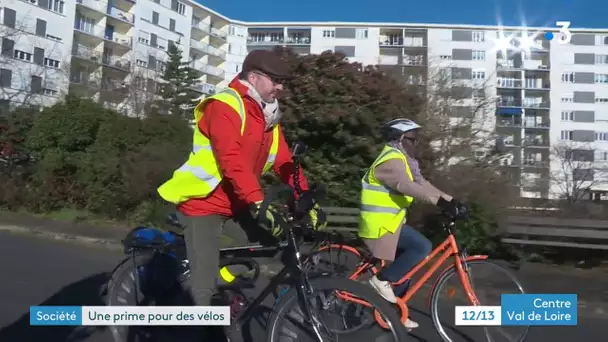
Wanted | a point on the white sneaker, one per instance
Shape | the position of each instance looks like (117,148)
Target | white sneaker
(384,289)
(410,324)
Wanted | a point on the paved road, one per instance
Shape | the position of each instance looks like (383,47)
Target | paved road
(40,271)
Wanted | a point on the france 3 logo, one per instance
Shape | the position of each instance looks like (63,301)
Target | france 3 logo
(563,36)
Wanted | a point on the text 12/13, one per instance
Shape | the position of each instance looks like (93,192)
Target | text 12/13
(477,315)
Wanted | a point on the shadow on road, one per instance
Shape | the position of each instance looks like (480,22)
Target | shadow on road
(84,292)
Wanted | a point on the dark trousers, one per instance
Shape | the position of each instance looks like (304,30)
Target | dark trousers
(412,248)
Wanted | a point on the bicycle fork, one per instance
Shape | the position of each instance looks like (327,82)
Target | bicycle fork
(466,278)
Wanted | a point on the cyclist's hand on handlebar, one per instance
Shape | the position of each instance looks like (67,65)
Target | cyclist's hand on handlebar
(318,219)
(268,221)
(454,209)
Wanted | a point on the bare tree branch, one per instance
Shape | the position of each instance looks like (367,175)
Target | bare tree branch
(574,172)
(459,111)
(35,77)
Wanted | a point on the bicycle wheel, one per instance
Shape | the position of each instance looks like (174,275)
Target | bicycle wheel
(487,279)
(145,280)
(339,260)
(295,328)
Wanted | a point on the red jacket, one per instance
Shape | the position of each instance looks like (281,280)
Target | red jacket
(241,159)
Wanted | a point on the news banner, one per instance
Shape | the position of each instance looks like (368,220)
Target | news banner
(520,309)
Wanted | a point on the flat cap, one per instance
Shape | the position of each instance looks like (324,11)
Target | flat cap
(268,62)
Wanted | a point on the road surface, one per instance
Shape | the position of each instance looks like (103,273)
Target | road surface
(42,271)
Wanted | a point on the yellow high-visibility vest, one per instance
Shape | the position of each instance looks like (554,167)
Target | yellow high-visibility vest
(382,210)
(200,174)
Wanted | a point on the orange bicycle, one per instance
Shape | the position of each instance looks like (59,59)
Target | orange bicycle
(462,268)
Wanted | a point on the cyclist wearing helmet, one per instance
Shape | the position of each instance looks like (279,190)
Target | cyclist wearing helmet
(389,187)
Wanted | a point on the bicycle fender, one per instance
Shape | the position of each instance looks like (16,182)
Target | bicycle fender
(449,268)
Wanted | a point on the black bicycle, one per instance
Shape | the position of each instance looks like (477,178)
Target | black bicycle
(156,265)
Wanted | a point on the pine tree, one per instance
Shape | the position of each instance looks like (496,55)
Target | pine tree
(177,96)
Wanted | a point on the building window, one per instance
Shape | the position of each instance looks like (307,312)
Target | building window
(478,75)
(568,77)
(479,55)
(601,100)
(601,155)
(6,78)
(52,63)
(566,135)
(601,78)
(362,33)
(601,59)
(329,33)
(568,115)
(22,55)
(56,6)
(567,98)
(601,136)
(180,8)
(479,36)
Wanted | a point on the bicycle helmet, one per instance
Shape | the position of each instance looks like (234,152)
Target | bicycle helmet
(394,129)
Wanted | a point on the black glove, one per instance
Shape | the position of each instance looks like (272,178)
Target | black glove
(269,222)
(454,209)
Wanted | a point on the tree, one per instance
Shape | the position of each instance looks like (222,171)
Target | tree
(93,158)
(574,173)
(177,95)
(337,108)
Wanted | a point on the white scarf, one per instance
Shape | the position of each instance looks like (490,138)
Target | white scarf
(272,113)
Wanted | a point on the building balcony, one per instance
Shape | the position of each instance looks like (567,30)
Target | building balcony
(265,40)
(509,102)
(120,40)
(84,80)
(221,34)
(117,62)
(536,142)
(535,123)
(535,163)
(512,121)
(99,6)
(508,83)
(297,40)
(121,15)
(208,49)
(86,53)
(89,30)
(536,103)
(205,88)
(213,71)
(201,26)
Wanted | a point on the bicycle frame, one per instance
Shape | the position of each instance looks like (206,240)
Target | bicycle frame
(448,248)
(292,271)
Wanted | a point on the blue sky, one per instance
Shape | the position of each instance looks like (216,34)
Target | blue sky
(582,13)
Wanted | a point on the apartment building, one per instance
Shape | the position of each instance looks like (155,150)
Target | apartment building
(551,103)
(113,51)
(553,96)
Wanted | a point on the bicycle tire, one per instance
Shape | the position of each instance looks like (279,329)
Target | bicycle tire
(290,298)
(435,294)
(125,291)
(334,262)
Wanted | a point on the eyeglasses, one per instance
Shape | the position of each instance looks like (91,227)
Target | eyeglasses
(274,80)
(414,141)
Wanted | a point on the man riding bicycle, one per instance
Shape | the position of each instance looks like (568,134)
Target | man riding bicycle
(237,138)
(388,189)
